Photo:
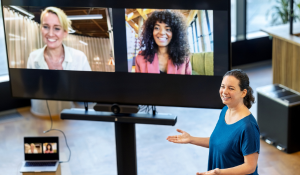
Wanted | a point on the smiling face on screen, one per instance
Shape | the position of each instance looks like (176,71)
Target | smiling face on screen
(162,34)
(52,31)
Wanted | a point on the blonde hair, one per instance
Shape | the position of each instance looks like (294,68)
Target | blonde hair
(62,17)
(27,147)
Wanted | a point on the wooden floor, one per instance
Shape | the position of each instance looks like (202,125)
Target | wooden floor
(93,144)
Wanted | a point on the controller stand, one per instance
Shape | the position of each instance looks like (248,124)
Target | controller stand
(124,131)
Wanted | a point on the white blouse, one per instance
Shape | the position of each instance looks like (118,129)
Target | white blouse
(74,60)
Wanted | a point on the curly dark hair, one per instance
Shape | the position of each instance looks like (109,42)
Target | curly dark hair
(243,84)
(178,48)
(50,147)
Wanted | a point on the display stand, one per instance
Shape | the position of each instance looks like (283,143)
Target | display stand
(124,132)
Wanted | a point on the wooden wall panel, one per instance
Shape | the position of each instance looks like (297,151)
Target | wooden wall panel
(286,64)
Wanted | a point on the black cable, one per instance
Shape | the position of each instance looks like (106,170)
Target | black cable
(148,108)
(154,110)
(59,131)
(50,116)
(145,108)
(86,106)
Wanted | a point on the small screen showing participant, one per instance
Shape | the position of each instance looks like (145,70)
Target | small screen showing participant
(165,41)
(59,38)
(49,148)
(33,148)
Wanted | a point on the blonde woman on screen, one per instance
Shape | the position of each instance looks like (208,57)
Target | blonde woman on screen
(27,148)
(32,149)
(55,55)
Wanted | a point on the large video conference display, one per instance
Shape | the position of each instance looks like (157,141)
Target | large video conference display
(104,52)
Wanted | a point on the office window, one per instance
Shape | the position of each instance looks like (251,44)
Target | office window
(200,32)
(233,20)
(3,59)
(259,14)
(195,37)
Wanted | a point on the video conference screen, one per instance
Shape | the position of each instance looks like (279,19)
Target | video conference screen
(40,148)
(58,38)
(159,41)
(170,41)
(117,51)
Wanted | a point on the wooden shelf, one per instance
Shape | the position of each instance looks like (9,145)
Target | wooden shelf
(285,56)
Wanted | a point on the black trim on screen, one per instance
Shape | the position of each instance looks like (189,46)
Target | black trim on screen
(130,88)
(42,156)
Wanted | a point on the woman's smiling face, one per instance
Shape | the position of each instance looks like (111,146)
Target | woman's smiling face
(162,34)
(230,91)
(52,31)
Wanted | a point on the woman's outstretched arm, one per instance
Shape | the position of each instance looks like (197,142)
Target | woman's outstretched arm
(185,138)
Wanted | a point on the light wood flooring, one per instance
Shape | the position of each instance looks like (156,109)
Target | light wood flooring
(93,143)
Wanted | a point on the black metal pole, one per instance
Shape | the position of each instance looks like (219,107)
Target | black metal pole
(291,16)
(126,148)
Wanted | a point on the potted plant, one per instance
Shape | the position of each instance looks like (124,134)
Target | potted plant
(280,13)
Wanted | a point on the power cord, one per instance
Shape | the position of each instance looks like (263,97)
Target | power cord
(59,131)
(148,108)
(86,106)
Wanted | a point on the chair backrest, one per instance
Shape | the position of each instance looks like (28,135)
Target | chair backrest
(202,63)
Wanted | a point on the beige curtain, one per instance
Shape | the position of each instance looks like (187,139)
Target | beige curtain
(97,51)
(24,36)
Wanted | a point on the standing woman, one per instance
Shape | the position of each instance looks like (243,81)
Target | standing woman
(164,45)
(234,143)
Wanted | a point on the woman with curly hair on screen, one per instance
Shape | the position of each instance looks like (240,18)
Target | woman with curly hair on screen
(48,149)
(164,45)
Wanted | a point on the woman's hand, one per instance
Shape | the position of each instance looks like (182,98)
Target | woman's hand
(183,138)
(211,172)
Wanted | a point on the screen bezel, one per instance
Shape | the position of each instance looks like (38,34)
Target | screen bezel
(42,156)
(163,90)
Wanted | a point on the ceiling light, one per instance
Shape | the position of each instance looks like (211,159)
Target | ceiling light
(130,15)
(71,30)
(83,42)
(83,17)
(20,9)
(12,18)
(15,37)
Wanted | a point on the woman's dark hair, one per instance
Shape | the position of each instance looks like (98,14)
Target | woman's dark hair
(244,84)
(178,48)
(50,147)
